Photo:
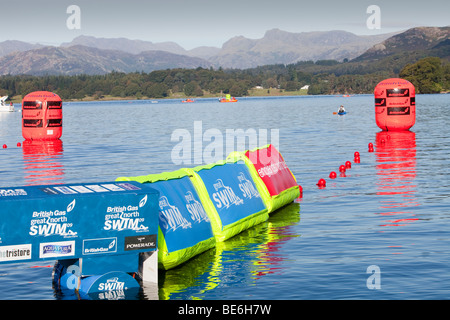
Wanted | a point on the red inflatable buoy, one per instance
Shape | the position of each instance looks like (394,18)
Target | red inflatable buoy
(41,116)
(333,175)
(348,164)
(342,168)
(395,104)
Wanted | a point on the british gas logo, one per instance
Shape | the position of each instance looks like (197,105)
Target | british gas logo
(52,222)
(121,218)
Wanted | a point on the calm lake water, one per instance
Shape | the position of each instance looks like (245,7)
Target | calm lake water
(390,213)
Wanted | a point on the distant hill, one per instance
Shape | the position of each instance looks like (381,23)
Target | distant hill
(10,46)
(87,60)
(283,47)
(126,45)
(276,46)
(415,39)
(91,55)
(138,46)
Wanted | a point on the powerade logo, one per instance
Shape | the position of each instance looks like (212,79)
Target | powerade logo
(398,111)
(380,102)
(397,92)
(100,246)
(140,242)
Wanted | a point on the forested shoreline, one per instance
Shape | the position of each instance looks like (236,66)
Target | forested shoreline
(429,75)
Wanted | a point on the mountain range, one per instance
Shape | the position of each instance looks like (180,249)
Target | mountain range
(91,55)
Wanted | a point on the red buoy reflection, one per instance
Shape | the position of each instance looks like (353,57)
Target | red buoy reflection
(42,161)
(396,170)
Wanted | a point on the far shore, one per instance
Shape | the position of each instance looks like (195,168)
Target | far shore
(272,92)
(179,95)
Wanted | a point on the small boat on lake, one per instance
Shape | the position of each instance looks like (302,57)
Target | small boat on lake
(228,98)
(4,107)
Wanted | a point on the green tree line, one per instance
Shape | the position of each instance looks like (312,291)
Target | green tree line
(429,75)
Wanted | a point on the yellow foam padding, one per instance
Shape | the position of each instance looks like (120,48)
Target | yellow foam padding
(272,202)
(169,259)
(222,232)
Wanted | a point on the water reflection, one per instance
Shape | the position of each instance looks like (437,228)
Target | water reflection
(396,171)
(42,160)
(245,258)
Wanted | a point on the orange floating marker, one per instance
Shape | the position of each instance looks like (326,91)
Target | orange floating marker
(41,116)
(395,104)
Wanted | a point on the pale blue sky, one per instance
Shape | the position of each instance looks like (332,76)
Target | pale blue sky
(193,23)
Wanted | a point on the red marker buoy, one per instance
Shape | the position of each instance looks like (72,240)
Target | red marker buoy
(395,104)
(41,116)
(356,154)
(356,160)
(370,147)
(322,183)
(333,175)
(19,144)
(342,168)
(5,146)
(301,190)
(348,164)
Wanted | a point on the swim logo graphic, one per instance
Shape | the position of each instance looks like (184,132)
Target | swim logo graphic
(119,218)
(248,189)
(224,197)
(53,222)
(195,208)
(170,217)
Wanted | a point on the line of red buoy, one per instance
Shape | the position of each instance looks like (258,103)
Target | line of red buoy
(5,146)
(356,158)
(342,168)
